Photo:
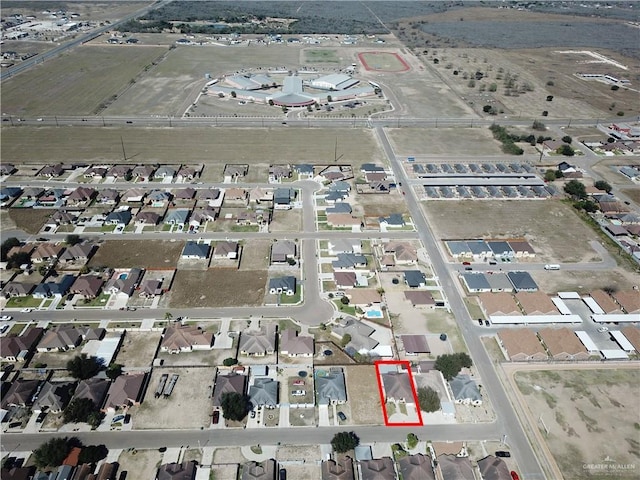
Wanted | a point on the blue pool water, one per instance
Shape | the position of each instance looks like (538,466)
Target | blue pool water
(374,314)
(123,276)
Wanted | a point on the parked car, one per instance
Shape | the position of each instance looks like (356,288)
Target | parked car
(603,329)
(253,414)
(298,393)
(480,321)
(486,323)
(216,417)
(5,318)
(27,310)
(283,474)
(342,416)
(299,382)
(466,263)
(468,268)
(514,475)
(503,454)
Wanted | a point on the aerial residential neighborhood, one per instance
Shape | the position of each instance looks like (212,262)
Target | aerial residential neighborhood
(271,242)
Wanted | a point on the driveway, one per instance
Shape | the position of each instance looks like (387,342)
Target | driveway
(323,416)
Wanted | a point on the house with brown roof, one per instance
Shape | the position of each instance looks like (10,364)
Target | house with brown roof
(119,171)
(364,297)
(345,279)
(522,345)
(46,252)
(125,391)
(605,302)
(134,195)
(17,289)
(78,254)
(455,468)
(258,343)
(184,193)
(419,297)
(81,196)
(150,288)
(500,303)
(229,382)
(88,286)
(204,215)
(521,248)
(147,217)
(226,250)
(265,470)
(278,172)
(377,469)
(51,170)
(343,220)
(415,344)
(416,467)
(235,171)
(397,387)
(629,300)
(185,338)
(294,345)
(20,393)
(633,335)
(493,468)
(60,339)
(340,469)
(16,348)
(403,252)
(186,174)
(95,389)
(563,344)
(208,194)
(235,195)
(143,173)
(260,195)
(536,303)
(177,471)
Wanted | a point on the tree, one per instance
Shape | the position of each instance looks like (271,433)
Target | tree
(344,441)
(428,399)
(549,175)
(566,150)
(114,371)
(234,406)
(344,300)
(412,441)
(52,452)
(329,99)
(549,98)
(168,316)
(602,185)
(233,94)
(17,259)
(227,362)
(345,340)
(450,364)
(79,410)
(567,139)
(93,453)
(83,367)
(576,189)
(538,125)
(7,245)
(72,239)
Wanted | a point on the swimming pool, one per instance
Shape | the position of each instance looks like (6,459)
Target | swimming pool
(123,276)
(374,314)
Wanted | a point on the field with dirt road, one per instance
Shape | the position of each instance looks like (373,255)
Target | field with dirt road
(218,288)
(137,253)
(587,417)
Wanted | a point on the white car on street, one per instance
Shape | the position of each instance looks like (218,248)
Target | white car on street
(603,329)
(26,310)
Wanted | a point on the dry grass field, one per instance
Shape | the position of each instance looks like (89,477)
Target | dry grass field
(216,288)
(550,226)
(363,395)
(76,83)
(138,253)
(138,348)
(191,397)
(30,220)
(139,463)
(632,193)
(592,419)
(255,255)
(194,145)
(443,141)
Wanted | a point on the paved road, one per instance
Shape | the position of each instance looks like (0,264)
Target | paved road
(507,421)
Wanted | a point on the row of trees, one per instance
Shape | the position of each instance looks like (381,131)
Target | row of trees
(52,453)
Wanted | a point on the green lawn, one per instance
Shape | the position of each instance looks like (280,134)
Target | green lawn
(321,56)
(24,302)
(100,301)
(293,299)
(346,309)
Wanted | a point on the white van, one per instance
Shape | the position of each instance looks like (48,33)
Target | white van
(552,266)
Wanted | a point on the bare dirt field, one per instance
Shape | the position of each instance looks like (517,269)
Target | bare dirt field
(138,349)
(381,205)
(363,396)
(140,463)
(286,221)
(191,397)
(548,225)
(147,254)
(633,194)
(308,456)
(607,169)
(585,281)
(192,145)
(443,141)
(228,455)
(213,289)
(30,220)
(255,255)
(54,359)
(76,83)
(591,417)
(225,472)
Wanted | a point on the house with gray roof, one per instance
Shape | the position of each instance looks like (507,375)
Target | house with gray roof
(258,343)
(335,196)
(397,387)
(208,194)
(158,198)
(264,393)
(282,198)
(54,397)
(17,289)
(416,467)
(285,285)
(230,382)
(339,207)
(282,251)
(339,186)
(235,170)
(176,216)
(522,282)
(58,288)
(465,390)
(330,387)
(20,393)
(124,282)
(360,333)
(499,282)
(303,170)
(165,172)
(344,245)
(494,468)
(195,251)
(475,282)
(395,220)
(177,471)
(348,261)
(60,339)
(294,345)
(377,469)
(371,168)
(415,278)
(453,467)
(119,217)
(265,470)
(143,172)
(501,249)
(95,389)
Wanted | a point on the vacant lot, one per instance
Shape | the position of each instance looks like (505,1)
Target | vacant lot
(139,463)
(30,220)
(286,221)
(382,205)
(137,253)
(190,397)
(215,289)
(590,416)
(76,83)
(550,226)
(443,141)
(192,145)
(138,348)
(255,255)
(363,395)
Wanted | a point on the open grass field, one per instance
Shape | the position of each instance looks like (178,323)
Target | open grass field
(129,253)
(30,220)
(76,83)
(213,288)
(321,56)
(379,61)
(550,226)
(592,419)
(443,141)
(363,396)
(190,397)
(207,145)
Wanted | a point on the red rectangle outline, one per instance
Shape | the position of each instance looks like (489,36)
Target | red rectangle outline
(407,366)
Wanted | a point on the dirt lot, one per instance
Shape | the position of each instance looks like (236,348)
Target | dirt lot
(579,406)
(30,220)
(363,396)
(77,83)
(225,472)
(286,221)
(213,289)
(140,463)
(443,141)
(164,145)
(146,254)
(191,397)
(308,455)
(548,225)
(55,359)
(585,281)
(374,205)
(255,255)
(138,348)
